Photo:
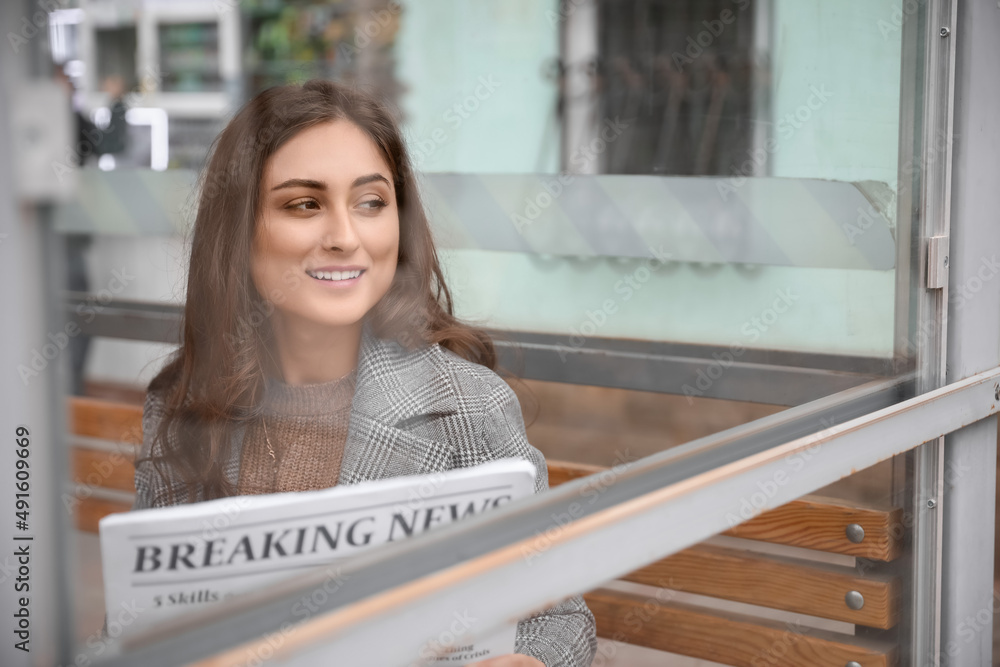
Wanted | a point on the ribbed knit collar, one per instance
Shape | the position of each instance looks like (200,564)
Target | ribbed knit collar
(309,399)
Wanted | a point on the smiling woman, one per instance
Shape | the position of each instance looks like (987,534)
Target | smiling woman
(309,214)
(329,217)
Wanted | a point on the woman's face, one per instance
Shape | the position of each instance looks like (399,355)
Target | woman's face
(328,238)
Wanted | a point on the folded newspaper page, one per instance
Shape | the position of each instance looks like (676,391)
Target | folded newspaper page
(173,560)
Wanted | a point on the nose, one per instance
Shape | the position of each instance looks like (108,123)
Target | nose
(339,233)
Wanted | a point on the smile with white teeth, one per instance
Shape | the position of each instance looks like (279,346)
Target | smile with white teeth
(335,275)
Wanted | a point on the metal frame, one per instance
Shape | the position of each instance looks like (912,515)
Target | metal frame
(712,473)
(923,214)
(24,247)
(763,376)
(411,590)
(973,333)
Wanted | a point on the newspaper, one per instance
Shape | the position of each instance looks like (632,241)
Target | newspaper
(174,560)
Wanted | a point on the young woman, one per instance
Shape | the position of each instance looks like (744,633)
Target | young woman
(319,345)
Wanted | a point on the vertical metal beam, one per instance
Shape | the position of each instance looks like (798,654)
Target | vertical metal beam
(925,203)
(968,604)
(34,401)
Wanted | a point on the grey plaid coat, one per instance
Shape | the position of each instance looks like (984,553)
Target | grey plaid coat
(418,412)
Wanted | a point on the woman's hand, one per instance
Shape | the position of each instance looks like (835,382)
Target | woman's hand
(509,660)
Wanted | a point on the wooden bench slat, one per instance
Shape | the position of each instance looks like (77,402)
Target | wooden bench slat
(811,522)
(106,420)
(561,472)
(789,584)
(91,510)
(730,639)
(819,523)
(107,469)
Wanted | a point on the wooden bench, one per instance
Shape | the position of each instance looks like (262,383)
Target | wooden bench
(106,438)
(866,597)
(108,435)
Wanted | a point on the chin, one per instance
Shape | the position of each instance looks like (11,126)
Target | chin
(324,319)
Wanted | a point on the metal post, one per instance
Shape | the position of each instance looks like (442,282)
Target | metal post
(31,401)
(968,604)
(922,309)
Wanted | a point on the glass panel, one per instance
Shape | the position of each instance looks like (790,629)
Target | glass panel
(787,103)
(677,217)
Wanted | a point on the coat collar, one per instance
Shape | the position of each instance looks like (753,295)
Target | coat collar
(395,385)
(397,390)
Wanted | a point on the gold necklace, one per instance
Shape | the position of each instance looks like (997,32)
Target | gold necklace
(274,459)
(270,448)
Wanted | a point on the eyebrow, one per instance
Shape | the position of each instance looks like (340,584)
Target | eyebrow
(320,185)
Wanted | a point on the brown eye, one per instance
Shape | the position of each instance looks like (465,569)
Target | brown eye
(305,204)
(374,204)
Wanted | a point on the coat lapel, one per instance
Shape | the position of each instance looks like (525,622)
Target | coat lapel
(397,395)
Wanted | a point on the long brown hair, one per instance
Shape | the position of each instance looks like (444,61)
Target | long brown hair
(214,381)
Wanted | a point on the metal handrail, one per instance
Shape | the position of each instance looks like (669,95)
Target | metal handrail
(473,562)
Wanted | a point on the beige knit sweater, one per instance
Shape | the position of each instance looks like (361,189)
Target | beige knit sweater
(307,428)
